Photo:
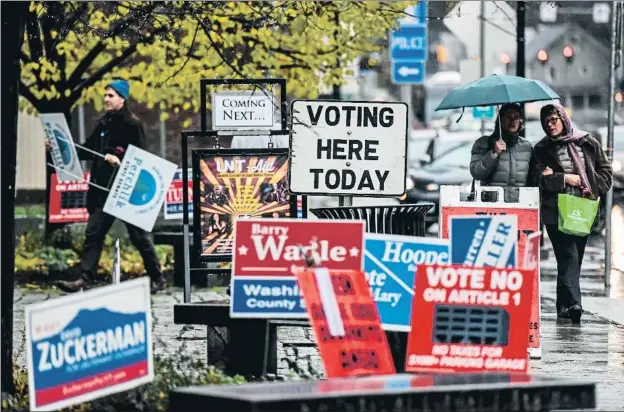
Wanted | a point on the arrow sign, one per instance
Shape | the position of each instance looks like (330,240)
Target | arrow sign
(408,72)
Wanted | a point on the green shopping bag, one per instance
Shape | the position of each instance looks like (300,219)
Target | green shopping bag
(576,214)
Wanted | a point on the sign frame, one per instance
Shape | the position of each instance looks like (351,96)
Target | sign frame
(143,284)
(214,152)
(322,192)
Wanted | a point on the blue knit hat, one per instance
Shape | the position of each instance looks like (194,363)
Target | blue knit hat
(121,86)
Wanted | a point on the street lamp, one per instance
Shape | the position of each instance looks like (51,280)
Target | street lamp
(542,56)
(568,53)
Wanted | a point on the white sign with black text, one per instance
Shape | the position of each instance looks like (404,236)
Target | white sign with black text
(234,110)
(348,148)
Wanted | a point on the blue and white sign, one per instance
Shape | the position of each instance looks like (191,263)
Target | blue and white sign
(483,112)
(390,262)
(88,345)
(484,241)
(62,147)
(257,297)
(408,46)
(409,43)
(416,14)
(139,189)
(408,72)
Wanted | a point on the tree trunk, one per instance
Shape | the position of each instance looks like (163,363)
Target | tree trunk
(12,37)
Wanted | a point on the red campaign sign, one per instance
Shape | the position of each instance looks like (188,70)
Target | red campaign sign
(487,307)
(531,262)
(346,323)
(271,247)
(62,195)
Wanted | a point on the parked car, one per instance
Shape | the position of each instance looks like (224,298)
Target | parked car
(451,168)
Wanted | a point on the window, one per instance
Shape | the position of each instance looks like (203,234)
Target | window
(594,100)
(458,157)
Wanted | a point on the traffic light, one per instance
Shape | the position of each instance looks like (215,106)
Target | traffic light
(542,56)
(505,59)
(441,54)
(568,53)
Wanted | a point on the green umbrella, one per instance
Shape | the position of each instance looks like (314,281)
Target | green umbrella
(497,89)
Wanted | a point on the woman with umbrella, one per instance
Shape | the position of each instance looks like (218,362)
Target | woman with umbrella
(569,162)
(504,158)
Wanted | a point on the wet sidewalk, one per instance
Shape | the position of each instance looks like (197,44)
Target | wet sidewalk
(593,350)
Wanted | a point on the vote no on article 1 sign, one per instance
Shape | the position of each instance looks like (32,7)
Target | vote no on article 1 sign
(348,148)
(468,319)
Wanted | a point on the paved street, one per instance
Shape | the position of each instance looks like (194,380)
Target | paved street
(594,350)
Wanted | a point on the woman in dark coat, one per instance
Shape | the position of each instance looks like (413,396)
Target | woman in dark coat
(573,162)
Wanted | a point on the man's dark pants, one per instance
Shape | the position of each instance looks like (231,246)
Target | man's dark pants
(569,251)
(98,225)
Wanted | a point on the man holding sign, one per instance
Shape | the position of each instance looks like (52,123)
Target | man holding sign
(106,147)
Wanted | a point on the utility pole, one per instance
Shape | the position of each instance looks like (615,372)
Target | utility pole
(616,53)
(520,46)
(482,51)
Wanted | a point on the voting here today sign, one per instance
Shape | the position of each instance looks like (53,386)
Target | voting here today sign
(348,148)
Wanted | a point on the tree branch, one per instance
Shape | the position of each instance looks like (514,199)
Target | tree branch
(25,92)
(118,28)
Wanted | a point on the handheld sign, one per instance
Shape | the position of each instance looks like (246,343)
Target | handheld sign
(531,262)
(63,150)
(483,241)
(348,148)
(267,253)
(468,319)
(390,262)
(139,189)
(236,110)
(346,323)
(88,345)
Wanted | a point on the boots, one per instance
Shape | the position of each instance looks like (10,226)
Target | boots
(73,286)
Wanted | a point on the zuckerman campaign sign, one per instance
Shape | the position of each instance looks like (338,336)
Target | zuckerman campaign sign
(88,345)
(139,189)
(390,262)
(63,150)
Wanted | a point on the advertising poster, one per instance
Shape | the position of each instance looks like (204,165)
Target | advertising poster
(268,252)
(390,262)
(346,323)
(88,345)
(174,202)
(63,150)
(532,262)
(468,319)
(140,187)
(68,200)
(233,185)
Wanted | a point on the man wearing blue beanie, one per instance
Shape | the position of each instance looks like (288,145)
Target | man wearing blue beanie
(114,132)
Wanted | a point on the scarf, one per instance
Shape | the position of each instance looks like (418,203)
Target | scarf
(570,137)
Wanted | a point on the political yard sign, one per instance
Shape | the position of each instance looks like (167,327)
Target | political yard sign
(390,262)
(348,148)
(139,189)
(63,150)
(468,319)
(484,241)
(174,201)
(268,252)
(84,346)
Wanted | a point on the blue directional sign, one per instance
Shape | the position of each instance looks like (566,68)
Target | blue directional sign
(416,14)
(408,72)
(409,43)
(483,112)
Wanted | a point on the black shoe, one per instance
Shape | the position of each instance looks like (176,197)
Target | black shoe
(563,314)
(74,286)
(575,312)
(158,285)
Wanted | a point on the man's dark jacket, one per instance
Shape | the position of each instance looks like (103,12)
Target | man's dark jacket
(112,135)
(598,168)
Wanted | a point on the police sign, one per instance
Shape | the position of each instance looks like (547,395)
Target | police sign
(348,148)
